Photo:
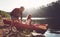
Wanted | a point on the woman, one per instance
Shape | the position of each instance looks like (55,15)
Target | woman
(29,20)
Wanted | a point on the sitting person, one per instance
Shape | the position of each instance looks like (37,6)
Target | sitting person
(29,20)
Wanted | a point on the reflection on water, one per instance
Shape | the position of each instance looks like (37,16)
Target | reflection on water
(48,34)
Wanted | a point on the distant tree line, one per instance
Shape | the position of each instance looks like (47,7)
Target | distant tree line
(53,11)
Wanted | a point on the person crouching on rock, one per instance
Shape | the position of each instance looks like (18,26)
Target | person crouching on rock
(16,13)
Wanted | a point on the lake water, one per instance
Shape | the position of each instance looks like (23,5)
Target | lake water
(48,34)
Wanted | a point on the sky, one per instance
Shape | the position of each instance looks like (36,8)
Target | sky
(9,5)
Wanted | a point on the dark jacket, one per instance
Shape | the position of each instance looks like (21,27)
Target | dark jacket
(16,13)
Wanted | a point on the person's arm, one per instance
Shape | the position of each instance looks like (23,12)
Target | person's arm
(30,21)
(21,16)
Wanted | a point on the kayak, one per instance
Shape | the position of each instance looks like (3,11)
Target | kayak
(39,28)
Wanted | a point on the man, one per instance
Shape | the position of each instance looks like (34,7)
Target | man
(16,13)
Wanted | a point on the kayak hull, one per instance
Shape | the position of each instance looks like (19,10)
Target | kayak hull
(32,27)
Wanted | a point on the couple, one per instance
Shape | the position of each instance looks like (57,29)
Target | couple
(17,12)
